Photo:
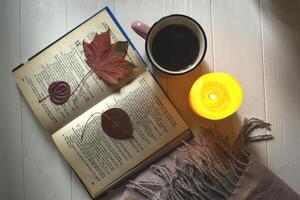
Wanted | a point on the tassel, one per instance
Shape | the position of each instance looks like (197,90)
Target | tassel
(207,171)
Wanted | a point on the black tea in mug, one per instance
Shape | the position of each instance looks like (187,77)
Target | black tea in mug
(175,44)
(175,47)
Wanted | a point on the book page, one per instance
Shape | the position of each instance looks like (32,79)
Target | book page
(99,159)
(65,61)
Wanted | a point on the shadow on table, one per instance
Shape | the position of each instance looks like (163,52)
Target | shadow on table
(286,11)
(177,89)
(281,28)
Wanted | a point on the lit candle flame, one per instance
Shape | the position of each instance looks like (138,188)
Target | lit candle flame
(212,96)
(215,95)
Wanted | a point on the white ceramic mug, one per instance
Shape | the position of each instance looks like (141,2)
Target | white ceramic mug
(149,33)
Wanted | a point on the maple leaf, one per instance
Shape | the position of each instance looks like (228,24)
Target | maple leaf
(106,59)
(94,50)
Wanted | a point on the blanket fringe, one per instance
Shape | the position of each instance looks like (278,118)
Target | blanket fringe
(208,171)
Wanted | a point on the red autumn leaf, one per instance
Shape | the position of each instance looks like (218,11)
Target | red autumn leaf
(94,50)
(59,92)
(106,59)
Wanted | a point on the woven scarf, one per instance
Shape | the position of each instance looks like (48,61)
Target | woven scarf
(209,168)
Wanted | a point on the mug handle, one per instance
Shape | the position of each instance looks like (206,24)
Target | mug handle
(140,28)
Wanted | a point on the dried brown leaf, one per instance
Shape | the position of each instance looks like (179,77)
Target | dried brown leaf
(116,123)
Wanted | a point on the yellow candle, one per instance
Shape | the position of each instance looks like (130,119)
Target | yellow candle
(215,96)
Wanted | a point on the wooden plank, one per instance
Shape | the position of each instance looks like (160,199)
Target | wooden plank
(77,12)
(234,34)
(238,51)
(11,162)
(178,87)
(46,174)
(126,12)
(142,10)
(145,11)
(281,44)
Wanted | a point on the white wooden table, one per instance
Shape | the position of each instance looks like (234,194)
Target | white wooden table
(258,41)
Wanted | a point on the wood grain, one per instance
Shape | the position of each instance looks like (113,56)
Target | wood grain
(46,174)
(11,151)
(281,44)
(255,40)
(77,12)
(139,7)
(238,51)
(178,87)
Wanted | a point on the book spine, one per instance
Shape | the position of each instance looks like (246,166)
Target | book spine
(125,35)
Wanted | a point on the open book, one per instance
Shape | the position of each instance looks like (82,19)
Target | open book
(100,161)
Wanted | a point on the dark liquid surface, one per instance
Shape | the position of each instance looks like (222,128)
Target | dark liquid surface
(175,47)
